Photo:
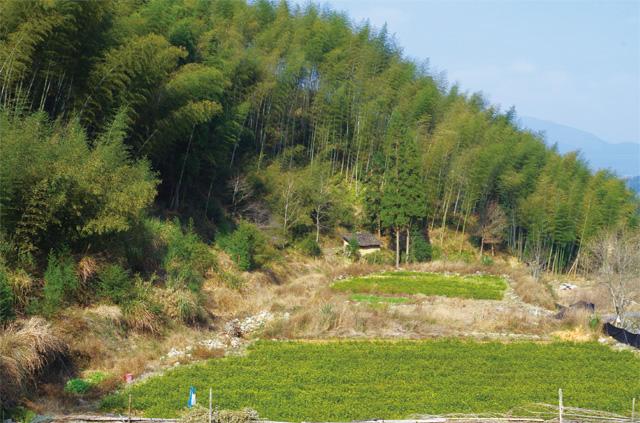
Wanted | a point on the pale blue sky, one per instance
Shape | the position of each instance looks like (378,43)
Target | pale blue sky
(572,62)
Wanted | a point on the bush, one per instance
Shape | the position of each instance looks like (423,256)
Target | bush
(420,249)
(143,315)
(187,259)
(6,297)
(82,386)
(114,284)
(244,245)
(486,260)
(60,282)
(77,386)
(436,252)
(310,247)
(353,249)
(384,257)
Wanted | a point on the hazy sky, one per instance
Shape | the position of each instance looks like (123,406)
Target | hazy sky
(573,62)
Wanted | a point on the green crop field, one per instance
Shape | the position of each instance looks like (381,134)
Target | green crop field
(485,287)
(331,381)
(377,299)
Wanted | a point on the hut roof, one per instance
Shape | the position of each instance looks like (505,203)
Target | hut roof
(365,239)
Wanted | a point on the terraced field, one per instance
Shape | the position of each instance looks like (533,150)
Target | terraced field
(397,284)
(332,381)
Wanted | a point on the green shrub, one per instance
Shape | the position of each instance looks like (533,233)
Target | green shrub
(436,252)
(420,250)
(6,296)
(244,245)
(187,259)
(77,386)
(486,260)
(80,386)
(352,249)
(114,284)
(96,377)
(310,247)
(384,257)
(60,282)
(232,280)
(464,256)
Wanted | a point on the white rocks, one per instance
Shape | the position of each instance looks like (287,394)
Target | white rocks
(173,353)
(232,336)
(565,286)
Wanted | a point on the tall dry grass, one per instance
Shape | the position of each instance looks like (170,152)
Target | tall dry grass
(26,349)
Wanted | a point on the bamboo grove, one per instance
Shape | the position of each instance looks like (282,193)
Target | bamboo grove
(170,103)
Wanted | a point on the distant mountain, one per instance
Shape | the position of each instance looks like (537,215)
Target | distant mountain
(634,183)
(623,158)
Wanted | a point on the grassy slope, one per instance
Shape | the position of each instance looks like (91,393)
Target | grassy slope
(357,380)
(393,283)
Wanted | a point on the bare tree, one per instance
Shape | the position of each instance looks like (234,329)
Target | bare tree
(614,257)
(492,226)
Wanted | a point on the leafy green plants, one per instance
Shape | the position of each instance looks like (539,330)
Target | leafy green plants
(376,299)
(81,386)
(6,296)
(352,380)
(244,245)
(310,247)
(77,386)
(411,283)
(60,282)
(187,259)
(114,284)
(384,257)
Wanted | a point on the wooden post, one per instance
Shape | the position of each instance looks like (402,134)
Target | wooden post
(129,418)
(560,406)
(210,404)
(633,410)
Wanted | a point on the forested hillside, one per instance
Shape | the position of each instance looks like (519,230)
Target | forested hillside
(294,120)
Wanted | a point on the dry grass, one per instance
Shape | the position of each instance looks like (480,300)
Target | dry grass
(87,268)
(22,285)
(179,305)
(26,349)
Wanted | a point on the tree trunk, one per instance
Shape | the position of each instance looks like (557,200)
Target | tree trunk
(406,258)
(317,226)
(397,248)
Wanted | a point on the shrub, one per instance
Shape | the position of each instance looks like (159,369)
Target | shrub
(6,297)
(420,250)
(384,257)
(22,286)
(436,252)
(187,259)
(486,260)
(77,386)
(464,256)
(143,315)
(114,284)
(179,304)
(82,386)
(244,245)
(310,247)
(353,249)
(60,282)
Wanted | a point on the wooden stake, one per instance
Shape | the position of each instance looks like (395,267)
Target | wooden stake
(633,410)
(560,406)
(210,404)
(129,418)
